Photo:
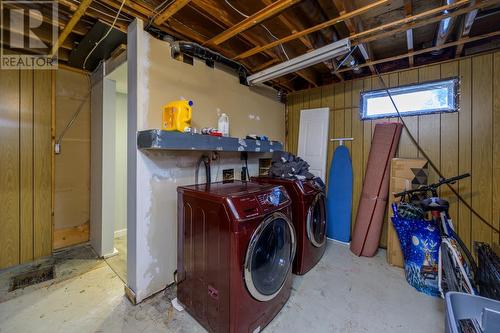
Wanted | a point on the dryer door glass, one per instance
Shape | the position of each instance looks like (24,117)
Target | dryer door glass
(269,257)
(316,221)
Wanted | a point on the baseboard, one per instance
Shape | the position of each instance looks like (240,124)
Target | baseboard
(120,233)
(339,242)
(130,295)
(112,254)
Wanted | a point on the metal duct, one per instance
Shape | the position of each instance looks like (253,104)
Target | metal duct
(209,56)
(445,28)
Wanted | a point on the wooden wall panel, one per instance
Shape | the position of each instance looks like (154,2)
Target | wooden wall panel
(429,125)
(327,100)
(465,149)
(461,142)
(448,141)
(42,165)
(496,145)
(482,143)
(9,168)
(25,166)
(406,147)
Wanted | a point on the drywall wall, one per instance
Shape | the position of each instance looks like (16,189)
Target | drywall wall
(120,163)
(466,141)
(102,203)
(72,165)
(154,80)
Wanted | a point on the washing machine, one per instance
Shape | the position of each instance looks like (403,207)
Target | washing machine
(236,245)
(309,219)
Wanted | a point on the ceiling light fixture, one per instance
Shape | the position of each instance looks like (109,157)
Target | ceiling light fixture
(321,54)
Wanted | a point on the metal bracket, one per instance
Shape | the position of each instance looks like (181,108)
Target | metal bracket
(341,143)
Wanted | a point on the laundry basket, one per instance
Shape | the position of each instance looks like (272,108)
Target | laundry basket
(466,306)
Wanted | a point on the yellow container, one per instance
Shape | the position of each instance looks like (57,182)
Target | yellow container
(177,116)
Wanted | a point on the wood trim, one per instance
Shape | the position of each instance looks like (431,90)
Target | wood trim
(82,8)
(71,236)
(429,49)
(263,14)
(318,27)
(170,11)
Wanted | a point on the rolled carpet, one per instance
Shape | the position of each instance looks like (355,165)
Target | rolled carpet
(373,201)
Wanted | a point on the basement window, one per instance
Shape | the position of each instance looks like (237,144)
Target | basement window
(416,99)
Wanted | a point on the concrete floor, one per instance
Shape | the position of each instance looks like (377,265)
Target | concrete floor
(119,262)
(342,293)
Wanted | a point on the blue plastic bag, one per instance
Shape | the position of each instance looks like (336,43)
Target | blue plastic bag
(420,241)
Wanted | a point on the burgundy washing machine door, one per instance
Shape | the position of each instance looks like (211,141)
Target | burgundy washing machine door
(316,221)
(269,257)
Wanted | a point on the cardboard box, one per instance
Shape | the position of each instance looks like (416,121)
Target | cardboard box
(405,174)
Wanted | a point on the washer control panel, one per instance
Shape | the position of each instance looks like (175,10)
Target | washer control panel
(261,203)
(273,199)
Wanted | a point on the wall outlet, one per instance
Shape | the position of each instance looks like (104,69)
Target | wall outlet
(227,175)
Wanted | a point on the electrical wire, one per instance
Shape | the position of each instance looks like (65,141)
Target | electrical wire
(262,25)
(157,10)
(426,156)
(105,35)
(123,17)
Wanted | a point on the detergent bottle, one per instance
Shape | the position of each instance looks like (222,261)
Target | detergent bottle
(177,115)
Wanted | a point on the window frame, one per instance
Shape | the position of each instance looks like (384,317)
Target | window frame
(453,94)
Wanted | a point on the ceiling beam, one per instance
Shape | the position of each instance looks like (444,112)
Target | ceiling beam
(263,14)
(82,8)
(293,27)
(93,14)
(408,7)
(217,14)
(465,30)
(170,11)
(354,25)
(308,31)
(54,22)
(417,20)
(429,49)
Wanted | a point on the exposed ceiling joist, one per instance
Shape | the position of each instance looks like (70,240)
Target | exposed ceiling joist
(308,31)
(216,13)
(465,29)
(429,49)
(294,27)
(263,14)
(93,14)
(82,8)
(416,21)
(409,33)
(354,25)
(170,11)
